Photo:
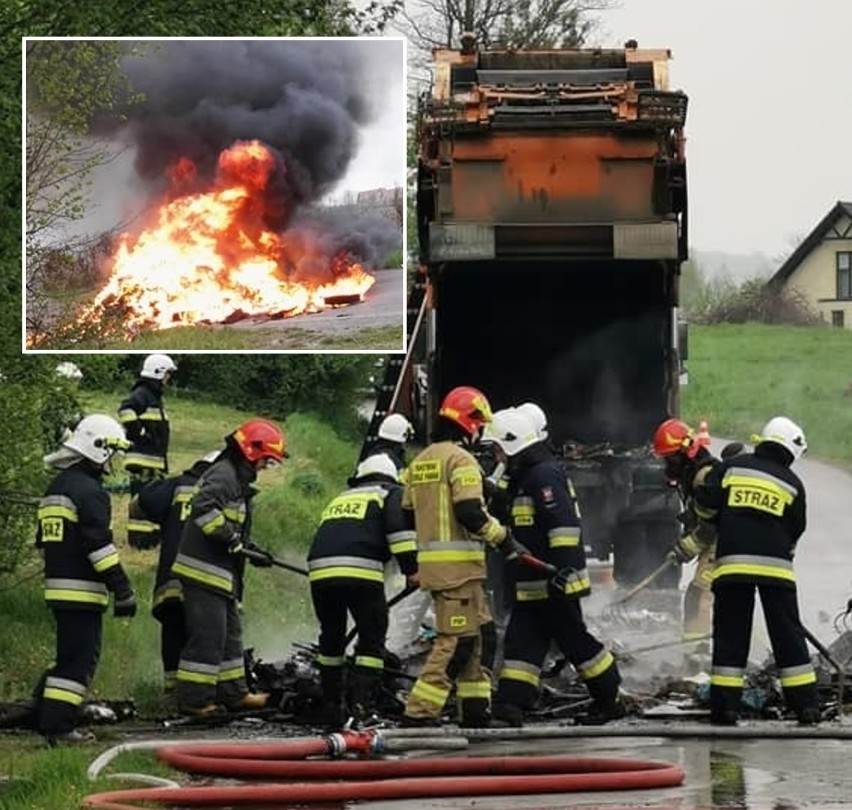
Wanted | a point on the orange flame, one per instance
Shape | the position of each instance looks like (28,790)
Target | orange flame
(206,256)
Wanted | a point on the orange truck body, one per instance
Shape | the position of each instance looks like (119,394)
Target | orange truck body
(552,224)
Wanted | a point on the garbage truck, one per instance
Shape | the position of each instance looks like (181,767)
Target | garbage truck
(551,211)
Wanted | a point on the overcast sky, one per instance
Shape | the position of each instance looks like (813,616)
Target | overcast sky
(380,160)
(769,126)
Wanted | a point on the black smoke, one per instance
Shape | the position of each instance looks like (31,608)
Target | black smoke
(304,99)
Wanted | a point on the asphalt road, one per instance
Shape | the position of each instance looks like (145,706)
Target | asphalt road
(383,305)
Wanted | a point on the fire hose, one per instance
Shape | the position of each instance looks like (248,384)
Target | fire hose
(376,779)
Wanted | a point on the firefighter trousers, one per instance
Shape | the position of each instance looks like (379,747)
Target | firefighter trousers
(334,599)
(455,659)
(532,627)
(211,667)
(698,599)
(64,685)
(173,637)
(733,615)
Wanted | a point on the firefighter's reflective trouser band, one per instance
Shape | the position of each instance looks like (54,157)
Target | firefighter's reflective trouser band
(733,613)
(333,600)
(698,599)
(532,627)
(455,658)
(211,668)
(78,648)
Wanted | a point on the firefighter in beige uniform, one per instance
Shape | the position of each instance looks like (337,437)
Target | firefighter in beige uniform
(444,490)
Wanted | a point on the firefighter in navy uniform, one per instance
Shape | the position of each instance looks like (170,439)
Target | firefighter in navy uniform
(395,431)
(545,520)
(144,419)
(210,565)
(358,532)
(81,569)
(161,509)
(444,491)
(758,504)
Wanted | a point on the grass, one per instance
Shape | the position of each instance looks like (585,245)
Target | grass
(222,339)
(742,375)
(276,607)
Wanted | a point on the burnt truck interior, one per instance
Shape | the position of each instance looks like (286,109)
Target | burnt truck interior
(590,341)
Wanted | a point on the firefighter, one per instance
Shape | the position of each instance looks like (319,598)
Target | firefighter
(160,510)
(687,464)
(358,532)
(444,491)
(537,417)
(395,431)
(81,569)
(209,565)
(545,519)
(144,418)
(758,504)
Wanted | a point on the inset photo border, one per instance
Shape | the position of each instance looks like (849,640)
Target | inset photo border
(214,195)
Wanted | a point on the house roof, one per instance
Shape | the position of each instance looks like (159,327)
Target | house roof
(813,239)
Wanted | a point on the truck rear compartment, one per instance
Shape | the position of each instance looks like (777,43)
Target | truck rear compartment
(588,340)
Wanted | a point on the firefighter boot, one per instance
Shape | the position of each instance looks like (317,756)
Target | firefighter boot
(363,693)
(74,737)
(506,715)
(334,713)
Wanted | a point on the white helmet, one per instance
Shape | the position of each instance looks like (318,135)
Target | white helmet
(156,366)
(784,431)
(71,371)
(396,428)
(536,415)
(96,438)
(378,464)
(512,430)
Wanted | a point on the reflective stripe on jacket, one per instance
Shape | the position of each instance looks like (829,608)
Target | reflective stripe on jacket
(359,531)
(81,562)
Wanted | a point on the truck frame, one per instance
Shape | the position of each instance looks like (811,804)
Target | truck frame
(551,213)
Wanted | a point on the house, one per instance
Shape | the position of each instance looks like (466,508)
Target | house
(820,268)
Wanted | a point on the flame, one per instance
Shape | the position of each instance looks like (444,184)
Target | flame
(207,256)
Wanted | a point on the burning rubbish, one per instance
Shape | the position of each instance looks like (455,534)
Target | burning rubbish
(211,195)
(209,257)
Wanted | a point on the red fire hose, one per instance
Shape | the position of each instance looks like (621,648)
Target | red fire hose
(383,779)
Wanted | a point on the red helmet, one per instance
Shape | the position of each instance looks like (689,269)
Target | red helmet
(467,407)
(260,439)
(675,436)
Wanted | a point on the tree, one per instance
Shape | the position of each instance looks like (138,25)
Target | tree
(498,23)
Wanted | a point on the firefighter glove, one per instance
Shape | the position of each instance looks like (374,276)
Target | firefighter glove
(511,548)
(259,557)
(561,583)
(235,545)
(685,550)
(125,605)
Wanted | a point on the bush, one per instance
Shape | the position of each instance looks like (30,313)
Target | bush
(753,301)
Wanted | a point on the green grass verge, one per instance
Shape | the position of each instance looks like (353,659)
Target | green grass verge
(219,339)
(742,375)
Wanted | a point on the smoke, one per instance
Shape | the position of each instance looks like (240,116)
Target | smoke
(305,99)
(367,236)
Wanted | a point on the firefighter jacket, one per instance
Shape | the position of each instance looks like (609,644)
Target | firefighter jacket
(147,427)
(444,482)
(218,521)
(167,504)
(545,517)
(693,518)
(81,564)
(758,505)
(359,531)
